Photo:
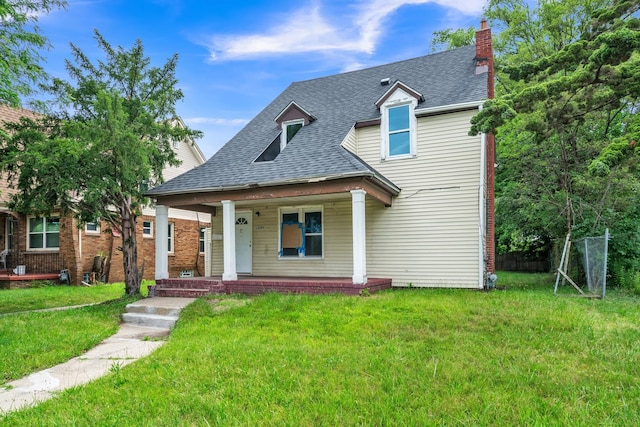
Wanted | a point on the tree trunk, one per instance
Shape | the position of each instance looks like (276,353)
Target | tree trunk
(129,250)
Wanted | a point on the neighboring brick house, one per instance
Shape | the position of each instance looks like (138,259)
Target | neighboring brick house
(45,246)
(361,175)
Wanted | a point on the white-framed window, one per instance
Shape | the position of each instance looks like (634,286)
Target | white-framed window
(301,232)
(289,130)
(201,240)
(92,227)
(147,228)
(176,145)
(399,130)
(171,237)
(9,232)
(43,233)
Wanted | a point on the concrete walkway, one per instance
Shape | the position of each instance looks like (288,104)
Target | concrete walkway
(129,344)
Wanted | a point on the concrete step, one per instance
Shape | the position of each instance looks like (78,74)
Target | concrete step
(179,292)
(150,320)
(152,309)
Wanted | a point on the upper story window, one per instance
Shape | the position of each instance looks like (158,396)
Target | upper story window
(44,233)
(398,122)
(289,130)
(398,131)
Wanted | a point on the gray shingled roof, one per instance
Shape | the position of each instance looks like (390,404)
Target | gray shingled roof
(336,102)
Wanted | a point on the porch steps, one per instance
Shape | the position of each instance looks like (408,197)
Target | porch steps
(187,288)
(155,312)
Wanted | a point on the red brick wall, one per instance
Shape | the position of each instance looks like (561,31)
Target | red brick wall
(74,240)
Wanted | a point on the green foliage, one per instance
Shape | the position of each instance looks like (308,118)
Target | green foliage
(566,123)
(109,139)
(448,38)
(20,46)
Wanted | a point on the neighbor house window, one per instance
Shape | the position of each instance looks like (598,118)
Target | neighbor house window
(289,130)
(147,228)
(301,232)
(92,227)
(44,233)
(201,240)
(171,236)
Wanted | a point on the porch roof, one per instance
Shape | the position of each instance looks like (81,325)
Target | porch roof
(337,103)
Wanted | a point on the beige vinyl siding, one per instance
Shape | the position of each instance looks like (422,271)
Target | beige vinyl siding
(338,256)
(351,141)
(429,237)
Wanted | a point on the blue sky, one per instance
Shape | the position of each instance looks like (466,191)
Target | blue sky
(235,56)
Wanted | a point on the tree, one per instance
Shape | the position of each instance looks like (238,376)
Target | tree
(20,46)
(448,38)
(565,117)
(110,140)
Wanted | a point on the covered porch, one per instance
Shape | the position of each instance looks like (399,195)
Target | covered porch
(307,237)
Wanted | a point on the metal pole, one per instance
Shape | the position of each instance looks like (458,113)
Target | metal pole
(564,251)
(604,272)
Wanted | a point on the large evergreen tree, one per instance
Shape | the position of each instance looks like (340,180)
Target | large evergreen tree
(566,121)
(110,140)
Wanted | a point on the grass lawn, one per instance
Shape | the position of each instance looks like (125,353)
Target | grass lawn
(16,300)
(33,341)
(521,356)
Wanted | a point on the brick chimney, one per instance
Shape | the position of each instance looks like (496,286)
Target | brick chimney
(484,64)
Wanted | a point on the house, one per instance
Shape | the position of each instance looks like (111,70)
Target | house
(361,175)
(39,248)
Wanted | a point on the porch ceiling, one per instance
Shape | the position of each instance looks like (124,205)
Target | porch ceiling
(293,193)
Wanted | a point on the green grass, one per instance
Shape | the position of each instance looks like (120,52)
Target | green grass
(35,341)
(519,356)
(17,300)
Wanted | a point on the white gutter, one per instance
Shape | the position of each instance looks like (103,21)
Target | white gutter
(450,107)
(482,208)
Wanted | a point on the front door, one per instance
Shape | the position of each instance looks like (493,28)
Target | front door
(243,242)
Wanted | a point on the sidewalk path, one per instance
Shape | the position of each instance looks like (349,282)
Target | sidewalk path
(129,344)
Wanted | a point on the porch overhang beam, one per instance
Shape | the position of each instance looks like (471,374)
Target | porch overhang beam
(256,193)
(212,210)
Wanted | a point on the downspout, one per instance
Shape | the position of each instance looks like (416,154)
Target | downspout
(482,210)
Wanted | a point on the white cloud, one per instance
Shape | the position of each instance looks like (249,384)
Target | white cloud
(308,31)
(216,121)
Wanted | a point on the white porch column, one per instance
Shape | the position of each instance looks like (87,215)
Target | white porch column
(162,242)
(359,237)
(229,240)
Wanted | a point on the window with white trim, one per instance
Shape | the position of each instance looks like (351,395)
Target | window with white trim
(398,130)
(43,233)
(171,237)
(147,228)
(301,232)
(92,227)
(289,130)
(201,240)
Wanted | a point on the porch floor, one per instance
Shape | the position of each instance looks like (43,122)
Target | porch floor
(10,280)
(198,286)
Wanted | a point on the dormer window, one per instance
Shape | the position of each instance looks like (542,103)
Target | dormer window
(398,122)
(289,130)
(399,131)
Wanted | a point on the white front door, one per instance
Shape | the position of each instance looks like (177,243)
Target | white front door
(243,242)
